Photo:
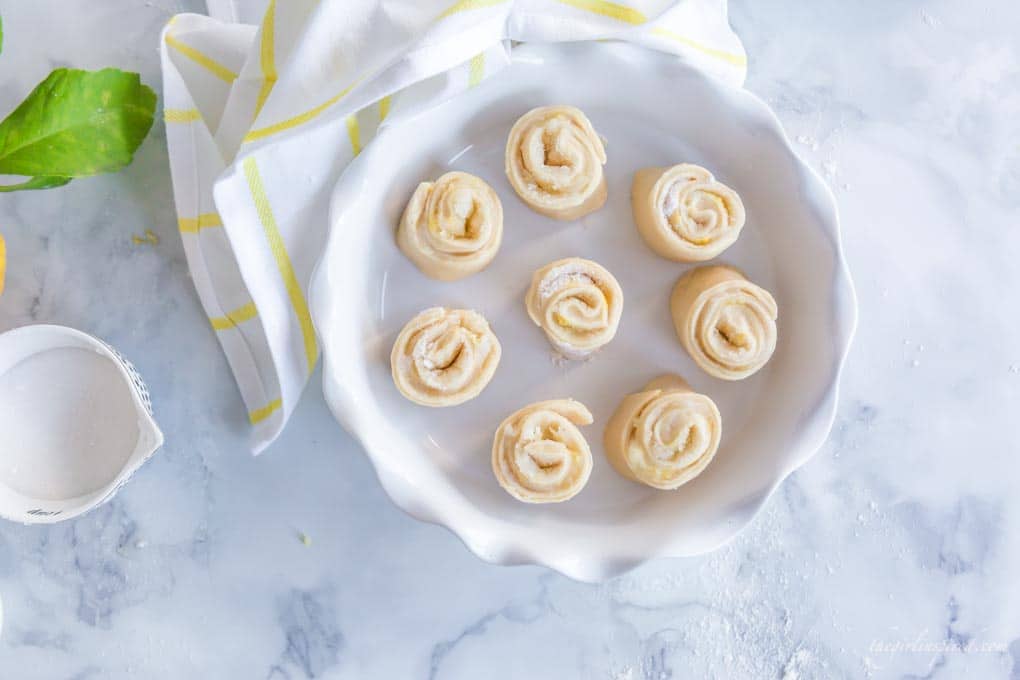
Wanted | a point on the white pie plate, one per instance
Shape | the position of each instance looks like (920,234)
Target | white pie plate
(652,111)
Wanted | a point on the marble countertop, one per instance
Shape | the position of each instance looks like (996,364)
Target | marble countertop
(893,553)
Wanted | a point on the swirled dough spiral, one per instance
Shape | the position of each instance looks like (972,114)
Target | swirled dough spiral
(554,162)
(665,435)
(539,455)
(452,227)
(726,323)
(684,213)
(577,303)
(444,357)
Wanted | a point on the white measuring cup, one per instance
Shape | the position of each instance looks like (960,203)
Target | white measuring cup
(75,423)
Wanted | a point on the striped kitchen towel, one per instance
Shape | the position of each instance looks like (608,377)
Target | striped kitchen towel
(261,121)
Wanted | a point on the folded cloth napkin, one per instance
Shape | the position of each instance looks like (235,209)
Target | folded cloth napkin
(261,121)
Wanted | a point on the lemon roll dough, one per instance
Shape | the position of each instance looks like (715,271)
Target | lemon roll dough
(539,455)
(554,162)
(577,303)
(726,323)
(684,213)
(451,228)
(665,435)
(444,357)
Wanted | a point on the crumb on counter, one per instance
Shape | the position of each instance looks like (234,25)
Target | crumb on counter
(150,238)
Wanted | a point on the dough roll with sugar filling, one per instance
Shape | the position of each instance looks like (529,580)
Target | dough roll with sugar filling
(444,357)
(577,303)
(726,323)
(665,435)
(453,227)
(684,213)
(554,162)
(538,453)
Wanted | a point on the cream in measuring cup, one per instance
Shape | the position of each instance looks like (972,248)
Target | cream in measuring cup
(75,423)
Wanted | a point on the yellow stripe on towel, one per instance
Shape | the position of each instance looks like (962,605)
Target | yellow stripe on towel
(465,5)
(181,115)
(298,119)
(354,133)
(476,69)
(735,59)
(279,250)
(632,16)
(192,225)
(267,57)
(609,9)
(235,318)
(206,62)
(260,414)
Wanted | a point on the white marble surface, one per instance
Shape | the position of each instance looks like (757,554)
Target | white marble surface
(889,552)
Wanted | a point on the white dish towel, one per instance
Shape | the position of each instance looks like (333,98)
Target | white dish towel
(261,121)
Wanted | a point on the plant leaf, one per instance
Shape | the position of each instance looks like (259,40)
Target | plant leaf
(36,183)
(76,123)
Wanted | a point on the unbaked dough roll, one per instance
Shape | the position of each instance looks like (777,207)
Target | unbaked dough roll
(577,303)
(452,227)
(539,455)
(554,162)
(444,357)
(726,323)
(665,435)
(684,213)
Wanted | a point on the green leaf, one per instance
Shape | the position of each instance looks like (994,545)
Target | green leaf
(36,183)
(74,124)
